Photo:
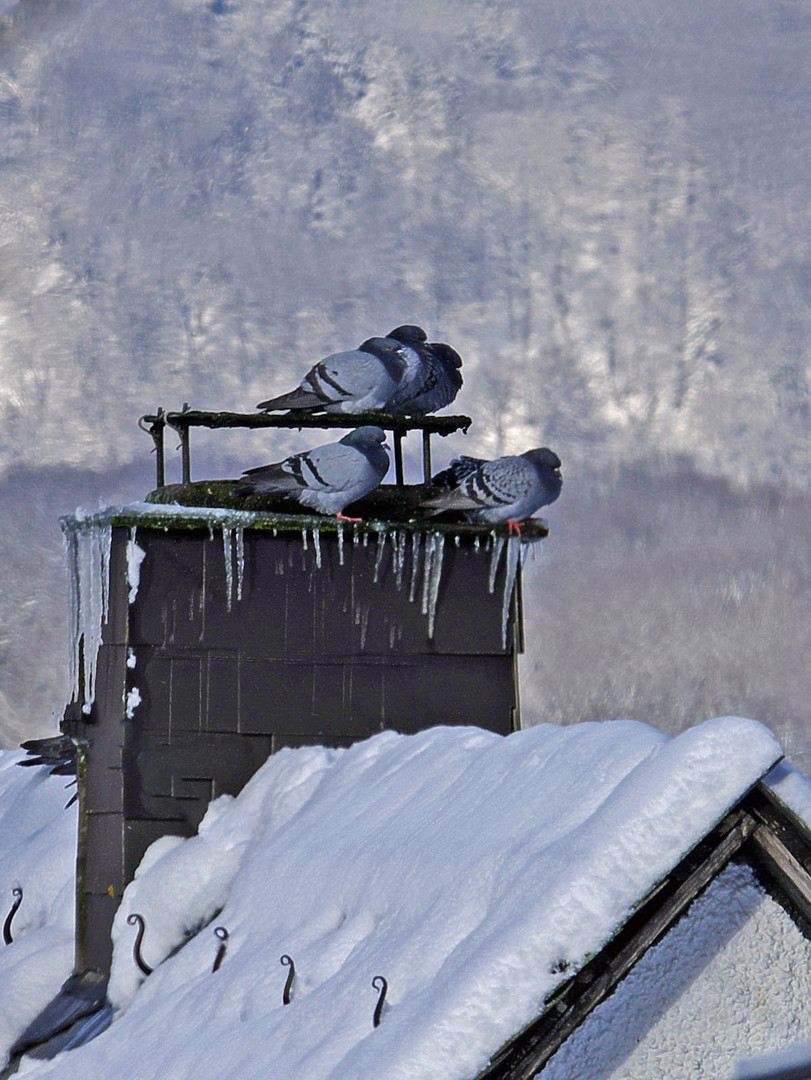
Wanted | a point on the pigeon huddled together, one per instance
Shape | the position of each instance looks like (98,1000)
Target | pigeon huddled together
(402,374)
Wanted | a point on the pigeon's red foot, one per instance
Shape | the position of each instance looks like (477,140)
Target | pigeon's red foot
(515,526)
(355,521)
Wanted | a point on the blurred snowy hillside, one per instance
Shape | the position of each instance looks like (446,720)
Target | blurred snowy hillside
(605,209)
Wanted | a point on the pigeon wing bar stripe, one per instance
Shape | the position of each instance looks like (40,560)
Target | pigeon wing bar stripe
(477,488)
(307,462)
(296,467)
(320,375)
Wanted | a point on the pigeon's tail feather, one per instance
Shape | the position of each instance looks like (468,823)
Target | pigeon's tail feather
(452,500)
(245,489)
(304,400)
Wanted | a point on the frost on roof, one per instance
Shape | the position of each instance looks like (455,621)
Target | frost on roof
(461,865)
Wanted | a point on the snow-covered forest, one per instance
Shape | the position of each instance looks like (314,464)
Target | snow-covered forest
(603,208)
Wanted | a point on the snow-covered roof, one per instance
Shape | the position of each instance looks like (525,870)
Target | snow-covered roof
(467,868)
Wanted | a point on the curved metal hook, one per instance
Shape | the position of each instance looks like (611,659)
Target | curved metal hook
(383,987)
(221,934)
(17,893)
(287,961)
(136,945)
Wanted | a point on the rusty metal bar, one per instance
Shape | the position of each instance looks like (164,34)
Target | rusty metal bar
(426,456)
(437,425)
(155,427)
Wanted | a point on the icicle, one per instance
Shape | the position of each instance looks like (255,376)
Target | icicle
(495,557)
(512,561)
(135,556)
(477,543)
(211,530)
(398,543)
(240,560)
(229,566)
(88,551)
(457,540)
(365,539)
(415,562)
(317,546)
(432,575)
(381,547)
(72,558)
(340,545)
(304,539)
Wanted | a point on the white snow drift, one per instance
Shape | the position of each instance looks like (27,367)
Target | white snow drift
(461,865)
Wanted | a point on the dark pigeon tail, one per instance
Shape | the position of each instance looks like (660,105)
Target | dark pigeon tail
(303,400)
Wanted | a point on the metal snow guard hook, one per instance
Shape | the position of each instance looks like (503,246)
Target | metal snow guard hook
(154,424)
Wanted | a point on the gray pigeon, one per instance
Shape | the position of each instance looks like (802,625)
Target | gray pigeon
(432,378)
(507,489)
(327,478)
(360,380)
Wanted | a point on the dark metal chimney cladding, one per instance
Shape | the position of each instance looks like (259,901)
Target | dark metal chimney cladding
(206,639)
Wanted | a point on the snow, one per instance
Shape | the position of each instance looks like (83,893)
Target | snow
(792,788)
(460,865)
(732,978)
(37,853)
(133,700)
(135,556)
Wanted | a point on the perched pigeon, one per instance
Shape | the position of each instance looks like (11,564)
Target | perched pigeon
(329,477)
(361,380)
(432,378)
(59,753)
(507,489)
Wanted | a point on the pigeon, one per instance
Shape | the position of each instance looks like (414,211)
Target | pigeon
(507,489)
(327,478)
(60,755)
(432,378)
(360,380)
(57,752)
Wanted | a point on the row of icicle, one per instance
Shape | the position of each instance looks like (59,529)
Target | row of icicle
(379,982)
(88,551)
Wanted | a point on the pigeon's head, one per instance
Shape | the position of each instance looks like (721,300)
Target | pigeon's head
(408,334)
(446,353)
(387,352)
(543,458)
(365,437)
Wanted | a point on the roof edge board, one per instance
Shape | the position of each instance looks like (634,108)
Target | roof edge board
(529,1050)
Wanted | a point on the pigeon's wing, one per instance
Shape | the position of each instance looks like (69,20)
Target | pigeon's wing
(334,467)
(493,485)
(326,468)
(343,376)
(456,472)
